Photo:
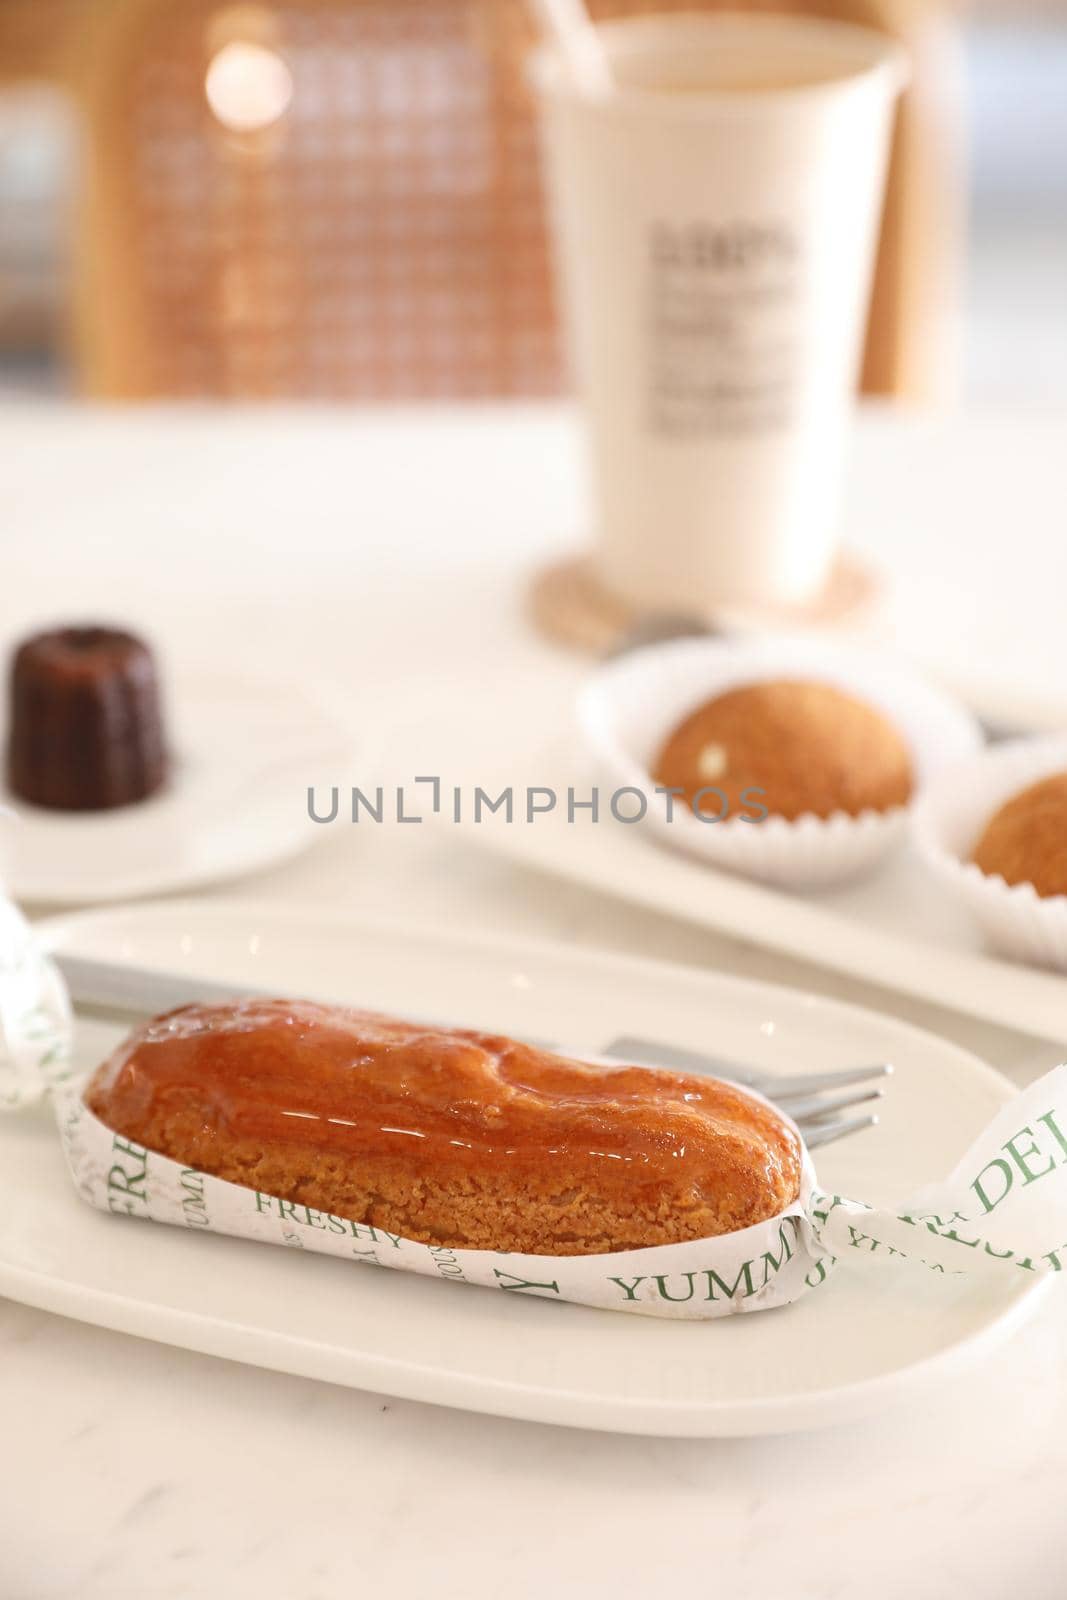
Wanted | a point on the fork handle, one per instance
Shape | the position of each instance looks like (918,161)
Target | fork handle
(139,990)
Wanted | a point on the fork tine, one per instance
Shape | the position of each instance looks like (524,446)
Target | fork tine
(826,1132)
(654,1053)
(814,1107)
(776,1088)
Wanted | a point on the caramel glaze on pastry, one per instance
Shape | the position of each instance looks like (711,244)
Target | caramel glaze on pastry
(809,747)
(1026,840)
(457,1138)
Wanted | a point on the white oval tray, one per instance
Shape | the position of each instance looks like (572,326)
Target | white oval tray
(896,928)
(844,1352)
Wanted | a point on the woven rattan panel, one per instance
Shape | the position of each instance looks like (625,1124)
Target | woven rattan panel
(383,238)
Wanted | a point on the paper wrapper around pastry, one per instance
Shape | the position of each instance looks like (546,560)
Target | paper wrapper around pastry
(1001,1212)
(35,1017)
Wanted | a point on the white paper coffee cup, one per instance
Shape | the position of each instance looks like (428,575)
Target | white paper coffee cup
(715,248)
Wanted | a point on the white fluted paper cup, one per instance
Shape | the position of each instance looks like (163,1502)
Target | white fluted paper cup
(949,821)
(631,706)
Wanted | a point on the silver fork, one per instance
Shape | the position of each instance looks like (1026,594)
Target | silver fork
(806,1097)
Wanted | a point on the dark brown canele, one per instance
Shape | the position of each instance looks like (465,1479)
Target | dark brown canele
(86,729)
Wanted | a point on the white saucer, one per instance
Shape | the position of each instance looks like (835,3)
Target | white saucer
(244,751)
(851,1348)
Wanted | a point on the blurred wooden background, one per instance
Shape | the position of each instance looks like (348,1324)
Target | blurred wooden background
(341,198)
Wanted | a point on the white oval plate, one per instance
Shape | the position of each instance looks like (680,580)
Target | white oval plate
(847,1350)
(244,752)
(896,928)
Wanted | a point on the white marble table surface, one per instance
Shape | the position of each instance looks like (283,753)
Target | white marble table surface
(383,553)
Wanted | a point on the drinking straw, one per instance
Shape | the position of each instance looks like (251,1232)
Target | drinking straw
(566,23)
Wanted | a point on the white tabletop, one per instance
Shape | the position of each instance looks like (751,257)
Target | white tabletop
(383,553)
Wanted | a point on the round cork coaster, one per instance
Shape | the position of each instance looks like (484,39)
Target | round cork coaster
(568,605)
